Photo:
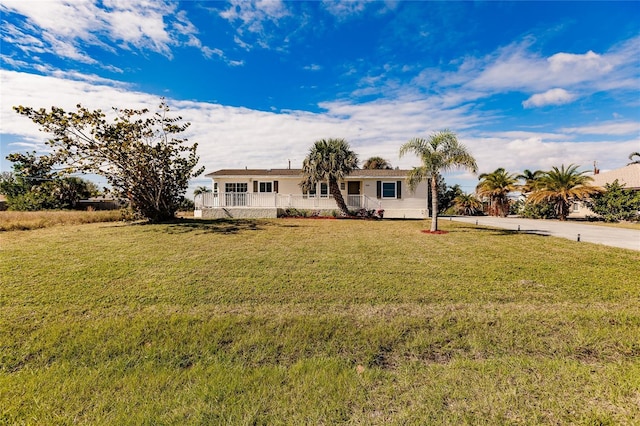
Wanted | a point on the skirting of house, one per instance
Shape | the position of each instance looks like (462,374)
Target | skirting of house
(266,213)
(406,213)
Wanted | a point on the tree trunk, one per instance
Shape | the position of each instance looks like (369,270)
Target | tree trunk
(337,195)
(434,203)
(563,210)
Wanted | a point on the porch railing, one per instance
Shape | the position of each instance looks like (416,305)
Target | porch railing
(273,200)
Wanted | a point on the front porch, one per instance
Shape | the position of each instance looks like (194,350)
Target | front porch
(266,205)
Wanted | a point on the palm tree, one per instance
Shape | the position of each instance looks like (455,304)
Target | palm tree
(561,187)
(440,152)
(329,160)
(530,180)
(634,154)
(201,190)
(497,186)
(467,204)
(373,163)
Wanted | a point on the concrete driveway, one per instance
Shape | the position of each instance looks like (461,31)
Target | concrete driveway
(609,236)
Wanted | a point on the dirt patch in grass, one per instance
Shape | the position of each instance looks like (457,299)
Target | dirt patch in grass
(426,231)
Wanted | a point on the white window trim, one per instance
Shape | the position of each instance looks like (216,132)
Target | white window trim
(395,190)
(270,182)
(319,190)
(237,184)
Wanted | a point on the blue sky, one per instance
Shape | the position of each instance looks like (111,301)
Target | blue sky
(525,85)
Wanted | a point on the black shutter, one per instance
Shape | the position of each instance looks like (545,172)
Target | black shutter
(255,186)
(379,189)
(275,186)
(399,189)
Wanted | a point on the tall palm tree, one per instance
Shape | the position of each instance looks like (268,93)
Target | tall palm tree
(440,152)
(634,154)
(329,160)
(467,204)
(530,180)
(496,186)
(373,163)
(561,187)
(201,190)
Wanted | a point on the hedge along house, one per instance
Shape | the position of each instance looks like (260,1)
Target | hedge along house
(629,176)
(267,193)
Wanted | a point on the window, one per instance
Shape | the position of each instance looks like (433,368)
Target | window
(235,194)
(215,187)
(389,189)
(324,190)
(266,187)
(313,191)
(235,187)
(576,206)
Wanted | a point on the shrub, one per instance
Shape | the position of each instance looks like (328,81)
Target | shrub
(616,203)
(368,214)
(293,212)
(538,211)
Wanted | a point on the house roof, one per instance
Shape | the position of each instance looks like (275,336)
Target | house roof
(628,176)
(358,173)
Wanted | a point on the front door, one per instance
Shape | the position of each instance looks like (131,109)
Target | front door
(353,194)
(235,194)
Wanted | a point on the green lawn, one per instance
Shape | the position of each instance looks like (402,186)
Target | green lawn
(315,322)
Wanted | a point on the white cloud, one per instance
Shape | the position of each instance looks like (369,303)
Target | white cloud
(588,63)
(607,128)
(517,68)
(523,134)
(66,28)
(231,137)
(252,16)
(550,97)
(535,153)
(346,8)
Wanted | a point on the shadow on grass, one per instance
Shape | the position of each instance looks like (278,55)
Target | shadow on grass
(505,232)
(220,226)
(469,227)
(213,226)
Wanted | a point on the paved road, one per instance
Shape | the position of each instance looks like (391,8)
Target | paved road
(609,236)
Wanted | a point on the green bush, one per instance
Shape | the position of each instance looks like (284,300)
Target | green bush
(616,203)
(538,211)
(293,212)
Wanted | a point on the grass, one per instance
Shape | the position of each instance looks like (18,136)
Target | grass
(21,221)
(315,322)
(625,225)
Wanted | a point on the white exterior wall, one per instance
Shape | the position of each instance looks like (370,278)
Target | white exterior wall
(289,186)
(286,185)
(412,204)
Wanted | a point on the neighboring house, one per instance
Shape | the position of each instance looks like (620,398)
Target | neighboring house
(629,176)
(261,193)
(101,203)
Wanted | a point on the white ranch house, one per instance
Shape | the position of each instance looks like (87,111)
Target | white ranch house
(266,193)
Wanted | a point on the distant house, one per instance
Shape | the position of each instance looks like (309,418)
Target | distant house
(629,176)
(266,193)
(101,203)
